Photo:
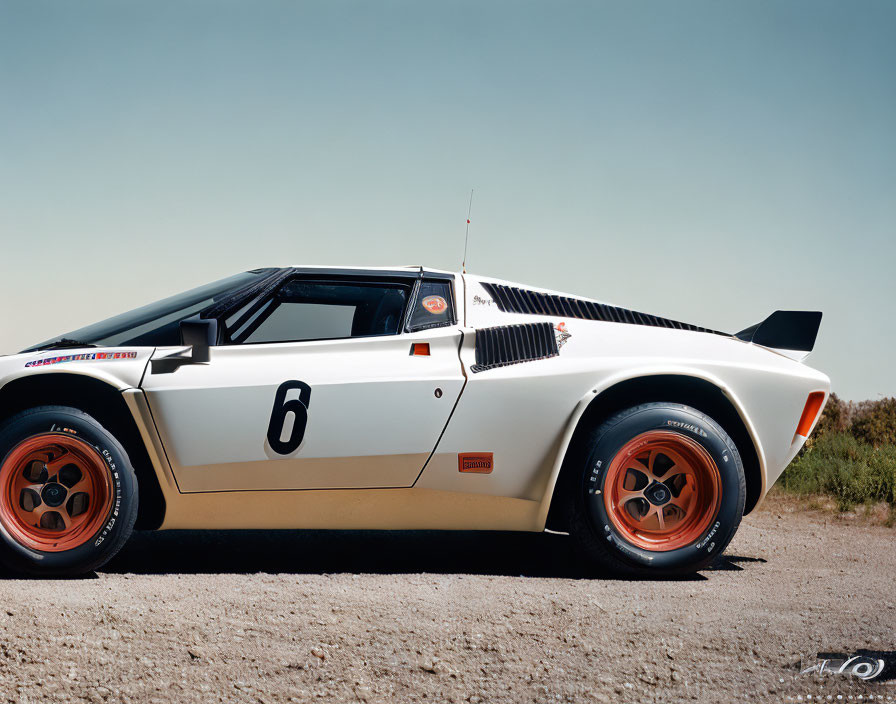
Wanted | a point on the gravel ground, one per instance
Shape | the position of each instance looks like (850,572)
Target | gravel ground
(451,617)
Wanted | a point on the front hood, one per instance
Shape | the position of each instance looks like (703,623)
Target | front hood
(122,367)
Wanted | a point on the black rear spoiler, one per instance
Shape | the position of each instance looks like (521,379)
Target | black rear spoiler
(785,330)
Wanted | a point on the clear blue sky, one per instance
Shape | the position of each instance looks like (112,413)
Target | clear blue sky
(708,161)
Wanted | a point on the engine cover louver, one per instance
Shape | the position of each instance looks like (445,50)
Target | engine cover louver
(513,344)
(511,299)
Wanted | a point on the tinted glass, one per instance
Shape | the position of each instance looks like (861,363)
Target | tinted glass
(322,310)
(434,307)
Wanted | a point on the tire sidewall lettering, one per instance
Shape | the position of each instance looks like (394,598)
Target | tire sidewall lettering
(116,496)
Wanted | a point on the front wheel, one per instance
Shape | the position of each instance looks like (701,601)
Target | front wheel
(68,493)
(660,490)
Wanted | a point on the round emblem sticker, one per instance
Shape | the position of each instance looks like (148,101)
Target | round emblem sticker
(434,304)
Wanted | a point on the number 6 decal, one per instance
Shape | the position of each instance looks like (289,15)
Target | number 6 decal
(299,409)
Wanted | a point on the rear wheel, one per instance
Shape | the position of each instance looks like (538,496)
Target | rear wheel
(660,490)
(68,493)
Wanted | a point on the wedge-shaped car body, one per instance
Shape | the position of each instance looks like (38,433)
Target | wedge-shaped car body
(405,398)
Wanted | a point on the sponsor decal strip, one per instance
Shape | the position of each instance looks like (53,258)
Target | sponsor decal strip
(83,357)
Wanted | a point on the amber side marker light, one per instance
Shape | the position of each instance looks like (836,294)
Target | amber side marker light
(420,349)
(810,413)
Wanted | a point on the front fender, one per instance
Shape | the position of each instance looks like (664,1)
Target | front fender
(121,368)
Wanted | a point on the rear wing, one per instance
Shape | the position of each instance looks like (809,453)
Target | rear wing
(791,332)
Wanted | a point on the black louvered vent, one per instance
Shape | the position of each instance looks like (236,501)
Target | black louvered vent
(512,344)
(518,300)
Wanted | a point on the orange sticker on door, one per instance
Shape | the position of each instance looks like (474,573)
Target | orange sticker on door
(476,462)
(434,304)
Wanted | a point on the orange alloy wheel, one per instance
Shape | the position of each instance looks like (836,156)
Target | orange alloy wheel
(56,492)
(662,490)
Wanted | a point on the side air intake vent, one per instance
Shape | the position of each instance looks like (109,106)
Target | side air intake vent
(513,344)
(519,300)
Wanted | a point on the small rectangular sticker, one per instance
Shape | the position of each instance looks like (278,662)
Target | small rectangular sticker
(476,462)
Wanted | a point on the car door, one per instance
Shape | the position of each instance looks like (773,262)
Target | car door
(330,381)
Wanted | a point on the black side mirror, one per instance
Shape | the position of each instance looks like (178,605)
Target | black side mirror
(200,334)
(197,333)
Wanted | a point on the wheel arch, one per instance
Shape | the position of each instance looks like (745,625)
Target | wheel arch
(706,395)
(104,402)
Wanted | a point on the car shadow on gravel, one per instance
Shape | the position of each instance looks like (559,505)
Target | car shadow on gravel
(378,552)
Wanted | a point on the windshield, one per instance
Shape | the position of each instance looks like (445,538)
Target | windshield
(154,325)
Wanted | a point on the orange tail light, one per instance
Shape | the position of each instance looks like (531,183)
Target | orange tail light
(810,413)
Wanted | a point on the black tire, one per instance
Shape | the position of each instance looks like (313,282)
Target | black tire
(114,525)
(599,538)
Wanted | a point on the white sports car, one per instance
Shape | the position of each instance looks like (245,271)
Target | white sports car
(399,398)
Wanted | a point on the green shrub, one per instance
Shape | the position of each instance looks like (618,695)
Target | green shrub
(851,470)
(835,417)
(874,422)
(851,455)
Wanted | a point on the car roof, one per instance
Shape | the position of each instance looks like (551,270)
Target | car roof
(402,269)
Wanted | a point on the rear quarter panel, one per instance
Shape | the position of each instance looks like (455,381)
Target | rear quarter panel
(524,413)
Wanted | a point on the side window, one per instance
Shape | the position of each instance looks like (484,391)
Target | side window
(434,306)
(325,310)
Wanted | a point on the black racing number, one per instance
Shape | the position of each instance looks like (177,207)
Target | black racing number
(282,408)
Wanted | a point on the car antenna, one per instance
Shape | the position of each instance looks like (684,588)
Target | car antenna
(467,235)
